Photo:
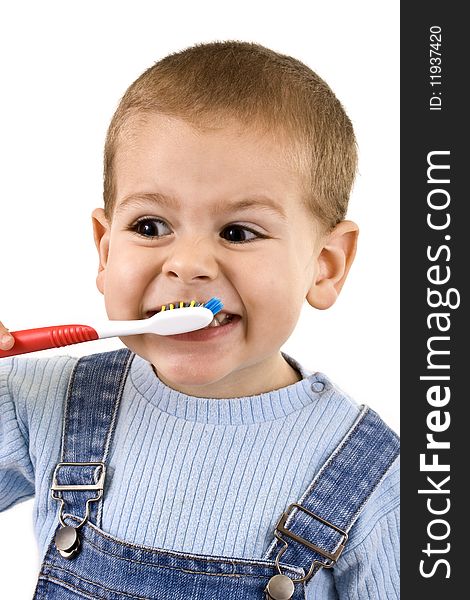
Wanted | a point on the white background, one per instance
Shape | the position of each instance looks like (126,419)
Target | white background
(65,65)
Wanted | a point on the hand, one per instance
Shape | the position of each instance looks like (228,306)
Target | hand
(6,339)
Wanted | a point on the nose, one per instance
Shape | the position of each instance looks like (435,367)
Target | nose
(191,261)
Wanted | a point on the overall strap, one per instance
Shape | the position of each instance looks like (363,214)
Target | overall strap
(312,533)
(93,398)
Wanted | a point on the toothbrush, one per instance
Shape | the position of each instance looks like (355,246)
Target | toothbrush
(169,320)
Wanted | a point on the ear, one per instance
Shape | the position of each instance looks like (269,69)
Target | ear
(334,261)
(101,232)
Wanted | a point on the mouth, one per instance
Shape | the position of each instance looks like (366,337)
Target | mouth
(221,319)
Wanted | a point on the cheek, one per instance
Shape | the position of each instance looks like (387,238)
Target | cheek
(273,296)
(125,281)
(281,282)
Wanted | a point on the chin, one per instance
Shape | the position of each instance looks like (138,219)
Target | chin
(190,372)
(185,369)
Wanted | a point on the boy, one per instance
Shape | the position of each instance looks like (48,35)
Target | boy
(228,169)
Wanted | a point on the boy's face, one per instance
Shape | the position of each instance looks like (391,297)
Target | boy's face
(202,214)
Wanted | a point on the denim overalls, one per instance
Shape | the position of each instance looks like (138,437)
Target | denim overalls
(82,561)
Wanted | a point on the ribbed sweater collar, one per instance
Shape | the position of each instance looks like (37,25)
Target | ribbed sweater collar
(268,406)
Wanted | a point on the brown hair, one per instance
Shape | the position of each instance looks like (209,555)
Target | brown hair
(208,83)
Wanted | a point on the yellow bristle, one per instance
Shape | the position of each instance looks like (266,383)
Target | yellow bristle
(163,308)
(193,302)
(172,306)
(181,304)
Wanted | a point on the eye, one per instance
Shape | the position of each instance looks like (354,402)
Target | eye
(239,234)
(150,228)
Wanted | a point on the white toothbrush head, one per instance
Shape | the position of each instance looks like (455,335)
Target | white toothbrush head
(183,317)
(171,319)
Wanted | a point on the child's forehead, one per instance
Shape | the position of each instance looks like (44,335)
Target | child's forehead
(227,149)
(229,166)
(161,128)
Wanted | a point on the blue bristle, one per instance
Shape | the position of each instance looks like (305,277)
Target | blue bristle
(214,305)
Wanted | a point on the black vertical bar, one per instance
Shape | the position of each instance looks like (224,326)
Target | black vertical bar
(435,252)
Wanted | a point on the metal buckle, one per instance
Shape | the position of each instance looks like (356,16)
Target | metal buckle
(70,488)
(98,487)
(331,557)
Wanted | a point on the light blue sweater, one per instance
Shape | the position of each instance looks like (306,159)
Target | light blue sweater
(207,476)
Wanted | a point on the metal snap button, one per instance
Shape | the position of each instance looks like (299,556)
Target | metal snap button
(317,386)
(67,541)
(280,587)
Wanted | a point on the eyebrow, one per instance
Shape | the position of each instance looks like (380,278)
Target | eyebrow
(262,202)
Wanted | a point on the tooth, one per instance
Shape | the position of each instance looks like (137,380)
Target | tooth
(219,320)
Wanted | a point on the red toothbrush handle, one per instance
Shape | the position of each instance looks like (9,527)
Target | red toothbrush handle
(32,340)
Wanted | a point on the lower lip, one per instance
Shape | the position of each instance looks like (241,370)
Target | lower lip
(202,335)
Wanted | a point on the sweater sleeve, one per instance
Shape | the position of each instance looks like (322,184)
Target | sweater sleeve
(16,469)
(32,393)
